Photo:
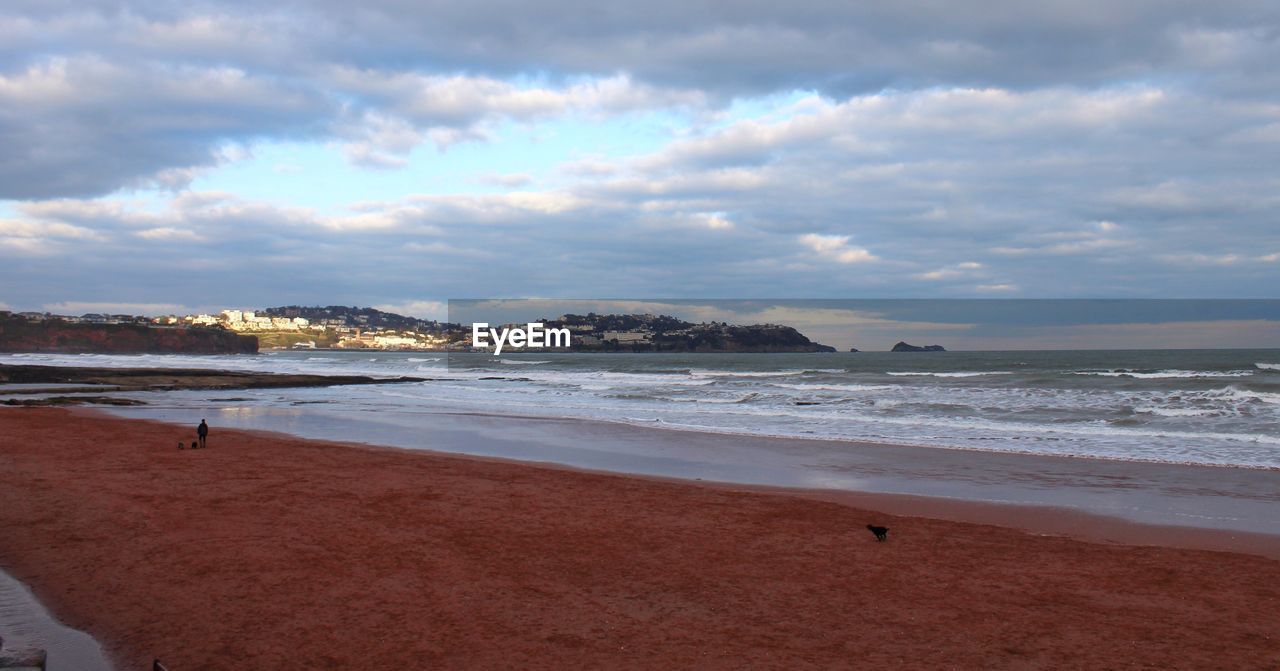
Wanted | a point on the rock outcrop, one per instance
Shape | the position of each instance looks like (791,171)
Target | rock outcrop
(26,659)
(166,379)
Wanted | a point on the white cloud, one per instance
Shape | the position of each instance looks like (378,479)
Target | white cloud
(380,141)
(1218,259)
(716,221)
(836,248)
(28,247)
(1094,238)
(13,228)
(402,109)
(496,208)
(461,100)
(168,233)
(1064,248)
(966,269)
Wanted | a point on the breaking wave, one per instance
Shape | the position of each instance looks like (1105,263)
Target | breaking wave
(1160,374)
(962,373)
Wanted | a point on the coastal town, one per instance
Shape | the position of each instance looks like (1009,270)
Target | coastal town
(342,327)
(332,327)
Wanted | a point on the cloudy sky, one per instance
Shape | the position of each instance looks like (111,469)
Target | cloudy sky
(171,156)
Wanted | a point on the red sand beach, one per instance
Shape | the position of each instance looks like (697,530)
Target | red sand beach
(271,552)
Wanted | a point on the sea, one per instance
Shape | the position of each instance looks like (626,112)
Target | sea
(1203,407)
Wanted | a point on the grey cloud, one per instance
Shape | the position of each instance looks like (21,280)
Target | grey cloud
(837,46)
(1009,134)
(83,126)
(741,48)
(1055,192)
(575,244)
(159,86)
(426,249)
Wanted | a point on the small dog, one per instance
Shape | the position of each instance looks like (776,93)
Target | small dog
(881,532)
(195,445)
(181,445)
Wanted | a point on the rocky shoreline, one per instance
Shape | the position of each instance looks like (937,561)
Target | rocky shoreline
(156,379)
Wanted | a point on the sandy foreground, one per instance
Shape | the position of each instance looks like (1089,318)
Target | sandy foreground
(277,553)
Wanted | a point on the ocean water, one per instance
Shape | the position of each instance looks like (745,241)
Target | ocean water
(1210,407)
(26,624)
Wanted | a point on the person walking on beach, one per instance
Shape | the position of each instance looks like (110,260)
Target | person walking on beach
(202,432)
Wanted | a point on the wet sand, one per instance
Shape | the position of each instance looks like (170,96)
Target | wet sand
(1086,491)
(266,551)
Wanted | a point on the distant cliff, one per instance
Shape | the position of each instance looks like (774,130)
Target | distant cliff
(904,347)
(663,333)
(18,334)
(753,339)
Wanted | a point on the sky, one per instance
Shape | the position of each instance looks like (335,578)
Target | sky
(160,157)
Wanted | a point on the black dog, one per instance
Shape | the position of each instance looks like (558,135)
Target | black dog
(880,532)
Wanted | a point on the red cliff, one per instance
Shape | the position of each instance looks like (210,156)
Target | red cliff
(18,334)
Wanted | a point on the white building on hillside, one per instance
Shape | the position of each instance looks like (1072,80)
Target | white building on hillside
(626,336)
